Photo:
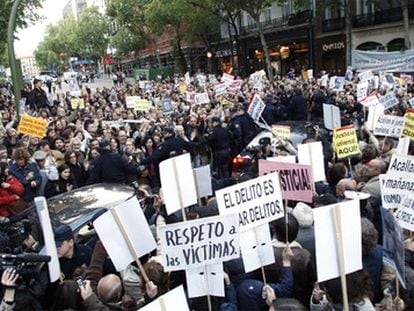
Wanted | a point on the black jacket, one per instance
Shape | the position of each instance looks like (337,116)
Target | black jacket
(219,139)
(297,108)
(37,99)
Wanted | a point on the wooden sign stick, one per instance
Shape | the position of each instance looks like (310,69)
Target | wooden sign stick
(260,257)
(196,186)
(180,197)
(130,247)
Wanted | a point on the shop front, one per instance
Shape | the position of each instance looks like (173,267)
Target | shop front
(330,54)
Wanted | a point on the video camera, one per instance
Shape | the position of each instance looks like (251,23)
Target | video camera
(26,265)
(13,235)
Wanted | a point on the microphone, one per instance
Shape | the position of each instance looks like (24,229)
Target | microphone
(26,257)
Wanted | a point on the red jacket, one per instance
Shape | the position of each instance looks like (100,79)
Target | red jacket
(8,195)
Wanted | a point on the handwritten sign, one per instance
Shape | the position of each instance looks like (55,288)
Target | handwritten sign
(256,107)
(167,106)
(389,100)
(282,132)
(331,117)
(199,242)
(220,89)
(405,213)
(362,90)
(370,101)
(142,105)
(387,125)
(346,142)
(32,126)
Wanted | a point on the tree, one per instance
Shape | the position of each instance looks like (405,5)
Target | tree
(407,42)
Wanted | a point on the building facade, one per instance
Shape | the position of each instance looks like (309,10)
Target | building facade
(29,66)
(74,8)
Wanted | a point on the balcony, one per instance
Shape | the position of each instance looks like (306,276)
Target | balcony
(333,24)
(381,17)
(300,18)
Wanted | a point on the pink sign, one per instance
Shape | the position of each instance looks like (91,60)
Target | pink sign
(295,179)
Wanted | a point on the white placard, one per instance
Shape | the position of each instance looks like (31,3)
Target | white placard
(256,247)
(187,78)
(362,90)
(312,154)
(173,300)
(405,213)
(403,145)
(325,242)
(331,117)
(136,227)
(177,182)
(389,100)
(141,84)
(203,181)
(411,102)
(201,98)
(205,280)
(283,159)
(310,73)
(365,76)
(388,125)
(131,100)
(199,242)
(256,107)
(49,238)
(373,113)
(227,79)
(256,201)
(370,101)
(324,80)
(337,83)
(220,89)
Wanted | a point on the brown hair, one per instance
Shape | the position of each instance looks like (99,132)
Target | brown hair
(156,274)
(21,153)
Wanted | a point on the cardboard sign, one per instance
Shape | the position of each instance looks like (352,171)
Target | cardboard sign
(201,79)
(226,102)
(324,80)
(405,213)
(282,132)
(331,117)
(256,107)
(201,98)
(403,145)
(373,113)
(220,89)
(203,181)
(325,242)
(256,201)
(365,76)
(408,130)
(32,126)
(205,280)
(227,79)
(187,78)
(142,105)
(131,100)
(177,183)
(389,100)
(283,159)
(295,179)
(312,154)
(256,247)
(167,106)
(141,84)
(369,101)
(134,225)
(199,242)
(346,142)
(182,88)
(388,125)
(74,89)
(310,73)
(362,90)
(48,237)
(174,299)
(148,87)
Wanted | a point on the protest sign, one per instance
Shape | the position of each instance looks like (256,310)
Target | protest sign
(256,247)
(129,242)
(331,117)
(405,213)
(22,106)
(282,132)
(74,103)
(212,78)
(201,78)
(227,103)
(220,89)
(324,80)
(227,79)
(32,126)
(312,154)
(148,87)
(373,113)
(205,280)
(256,107)
(201,98)
(236,85)
(257,201)
(131,100)
(389,100)
(48,237)
(141,105)
(310,73)
(365,76)
(182,87)
(203,181)
(403,145)
(167,106)
(199,242)
(141,84)
(187,78)
(393,245)
(338,83)
(177,183)
(189,97)
(283,159)
(388,125)
(408,130)
(369,101)
(175,299)
(346,142)
(74,89)
(295,179)
(362,90)
(411,102)
(326,246)
(398,182)
(348,74)
(81,103)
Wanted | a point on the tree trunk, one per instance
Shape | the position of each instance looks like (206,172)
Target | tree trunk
(269,68)
(407,42)
(348,33)
(181,57)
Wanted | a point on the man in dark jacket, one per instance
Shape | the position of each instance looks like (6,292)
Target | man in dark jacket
(37,97)
(318,99)
(297,106)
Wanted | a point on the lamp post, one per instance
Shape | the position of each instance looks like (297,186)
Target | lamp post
(16,73)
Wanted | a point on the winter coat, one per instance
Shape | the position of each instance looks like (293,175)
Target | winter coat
(9,195)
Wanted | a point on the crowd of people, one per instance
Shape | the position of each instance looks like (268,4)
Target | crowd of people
(105,141)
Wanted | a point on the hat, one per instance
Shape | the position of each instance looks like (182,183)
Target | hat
(324,199)
(304,215)
(39,155)
(168,130)
(264,141)
(215,119)
(62,233)
(350,195)
(103,143)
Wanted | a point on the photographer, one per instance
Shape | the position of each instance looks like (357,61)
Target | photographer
(8,282)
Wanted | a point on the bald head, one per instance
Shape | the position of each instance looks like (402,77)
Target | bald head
(376,167)
(110,288)
(343,185)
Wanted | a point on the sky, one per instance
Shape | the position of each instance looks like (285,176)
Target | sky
(32,36)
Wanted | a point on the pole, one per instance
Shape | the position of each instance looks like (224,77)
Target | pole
(12,57)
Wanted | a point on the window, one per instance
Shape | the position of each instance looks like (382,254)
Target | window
(287,8)
(364,7)
(250,21)
(267,14)
(335,11)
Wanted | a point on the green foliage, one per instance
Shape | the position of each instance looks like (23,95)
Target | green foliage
(125,41)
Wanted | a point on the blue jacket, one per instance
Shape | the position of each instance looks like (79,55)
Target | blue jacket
(21,174)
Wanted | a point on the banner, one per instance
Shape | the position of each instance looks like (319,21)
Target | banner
(32,126)
(205,280)
(346,142)
(256,107)
(388,125)
(408,130)
(256,201)
(383,61)
(389,100)
(199,242)
(295,179)
(282,132)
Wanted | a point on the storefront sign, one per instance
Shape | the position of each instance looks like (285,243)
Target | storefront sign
(333,46)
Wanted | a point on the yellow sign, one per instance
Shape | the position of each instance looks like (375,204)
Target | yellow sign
(408,129)
(77,103)
(32,126)
(141,105)
(346,142)
(282,132)
(226,102)
(183,88)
